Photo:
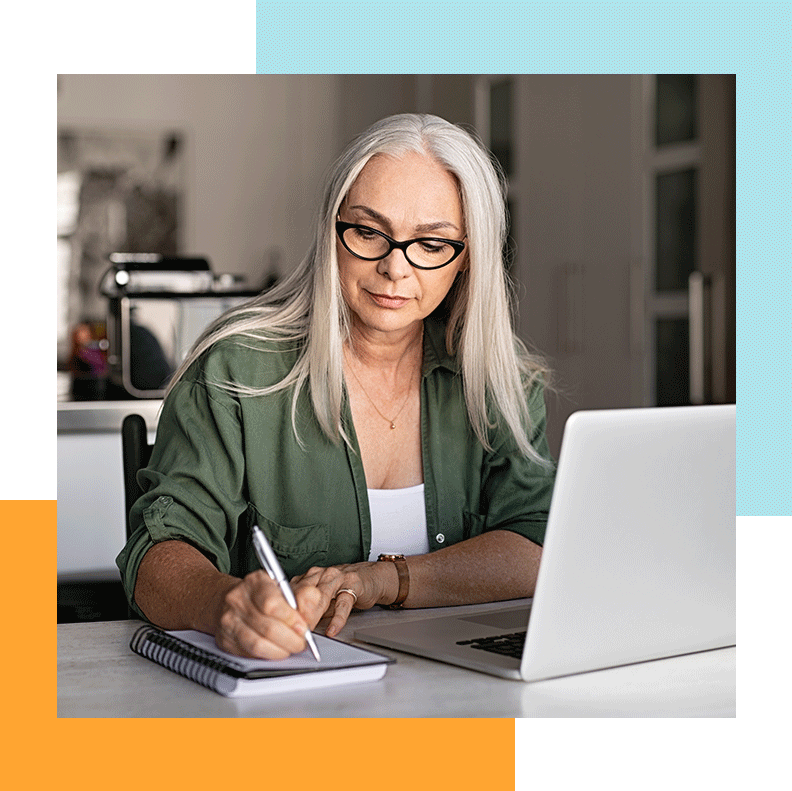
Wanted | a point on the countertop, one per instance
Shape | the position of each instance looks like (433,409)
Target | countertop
(99,676)
(104,416)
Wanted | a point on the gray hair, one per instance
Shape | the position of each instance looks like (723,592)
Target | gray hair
(308,308)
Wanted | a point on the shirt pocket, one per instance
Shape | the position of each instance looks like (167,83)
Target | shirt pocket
(473,524)
(298,547)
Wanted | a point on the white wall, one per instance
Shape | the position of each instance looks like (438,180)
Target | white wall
(257,147)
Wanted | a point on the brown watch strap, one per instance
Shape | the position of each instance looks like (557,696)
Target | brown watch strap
(404,579)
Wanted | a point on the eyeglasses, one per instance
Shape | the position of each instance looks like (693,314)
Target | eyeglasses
(372,245)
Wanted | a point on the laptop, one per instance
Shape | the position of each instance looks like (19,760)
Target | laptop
(639,560)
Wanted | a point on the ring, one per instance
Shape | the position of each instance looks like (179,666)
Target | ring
(350,591)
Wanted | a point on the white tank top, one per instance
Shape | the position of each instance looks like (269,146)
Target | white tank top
(398,521)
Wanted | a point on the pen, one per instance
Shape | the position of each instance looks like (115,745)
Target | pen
(269,562)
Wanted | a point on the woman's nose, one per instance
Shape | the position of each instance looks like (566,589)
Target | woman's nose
(394,266)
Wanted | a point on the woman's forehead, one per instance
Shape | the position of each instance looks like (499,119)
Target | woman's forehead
(413,185)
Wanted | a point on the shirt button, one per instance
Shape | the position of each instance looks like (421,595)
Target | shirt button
(165,500)
(439,538)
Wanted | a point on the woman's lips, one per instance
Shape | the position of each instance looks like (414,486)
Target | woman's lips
(384,301)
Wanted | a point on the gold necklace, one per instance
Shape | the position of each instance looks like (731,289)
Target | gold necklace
(365,392)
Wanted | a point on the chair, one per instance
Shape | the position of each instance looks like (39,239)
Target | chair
(136,453)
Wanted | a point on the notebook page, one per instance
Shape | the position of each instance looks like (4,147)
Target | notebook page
(333,652)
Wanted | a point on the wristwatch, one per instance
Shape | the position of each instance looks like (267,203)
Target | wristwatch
(404,580)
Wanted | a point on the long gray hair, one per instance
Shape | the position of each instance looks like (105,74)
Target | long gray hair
(307,308)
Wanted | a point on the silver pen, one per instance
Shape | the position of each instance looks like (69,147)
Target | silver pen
(269,562)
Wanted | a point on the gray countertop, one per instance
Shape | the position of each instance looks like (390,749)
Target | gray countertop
(99,676)
(104,416)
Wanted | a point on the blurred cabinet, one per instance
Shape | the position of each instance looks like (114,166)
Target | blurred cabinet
(564,143)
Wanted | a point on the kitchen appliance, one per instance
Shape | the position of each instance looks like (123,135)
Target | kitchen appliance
(157,308)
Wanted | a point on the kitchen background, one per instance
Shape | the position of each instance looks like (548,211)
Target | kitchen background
(622,203)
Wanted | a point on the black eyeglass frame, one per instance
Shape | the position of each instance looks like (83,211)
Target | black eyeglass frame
(456,244)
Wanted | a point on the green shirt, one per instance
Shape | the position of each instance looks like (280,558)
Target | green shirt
(222,462)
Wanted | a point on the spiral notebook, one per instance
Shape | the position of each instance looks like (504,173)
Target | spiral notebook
(195,655)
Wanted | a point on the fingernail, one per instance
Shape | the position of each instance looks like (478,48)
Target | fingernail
(331,630)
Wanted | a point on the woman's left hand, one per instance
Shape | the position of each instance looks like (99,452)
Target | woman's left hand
(371,583)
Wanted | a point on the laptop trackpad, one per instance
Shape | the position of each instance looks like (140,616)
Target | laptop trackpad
(501,619)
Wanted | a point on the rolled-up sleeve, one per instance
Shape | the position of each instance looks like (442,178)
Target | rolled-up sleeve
(194,483)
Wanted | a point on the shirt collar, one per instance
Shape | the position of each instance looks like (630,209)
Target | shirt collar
(435,353)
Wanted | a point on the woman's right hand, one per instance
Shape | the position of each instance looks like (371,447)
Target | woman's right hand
(178,587)
(256,621)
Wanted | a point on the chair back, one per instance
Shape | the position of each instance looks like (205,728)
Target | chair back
(136,453)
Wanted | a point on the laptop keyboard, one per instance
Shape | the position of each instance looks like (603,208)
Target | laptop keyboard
(507,644)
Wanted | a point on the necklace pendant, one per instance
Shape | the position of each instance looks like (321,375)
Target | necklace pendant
(393,425)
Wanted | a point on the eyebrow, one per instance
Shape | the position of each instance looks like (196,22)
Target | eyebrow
(423,228)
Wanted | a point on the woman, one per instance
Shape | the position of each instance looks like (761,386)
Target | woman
(377,401)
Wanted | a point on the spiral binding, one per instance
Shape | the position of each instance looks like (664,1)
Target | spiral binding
(187,660)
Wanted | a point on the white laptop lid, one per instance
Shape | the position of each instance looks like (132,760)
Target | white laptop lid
(639,561)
